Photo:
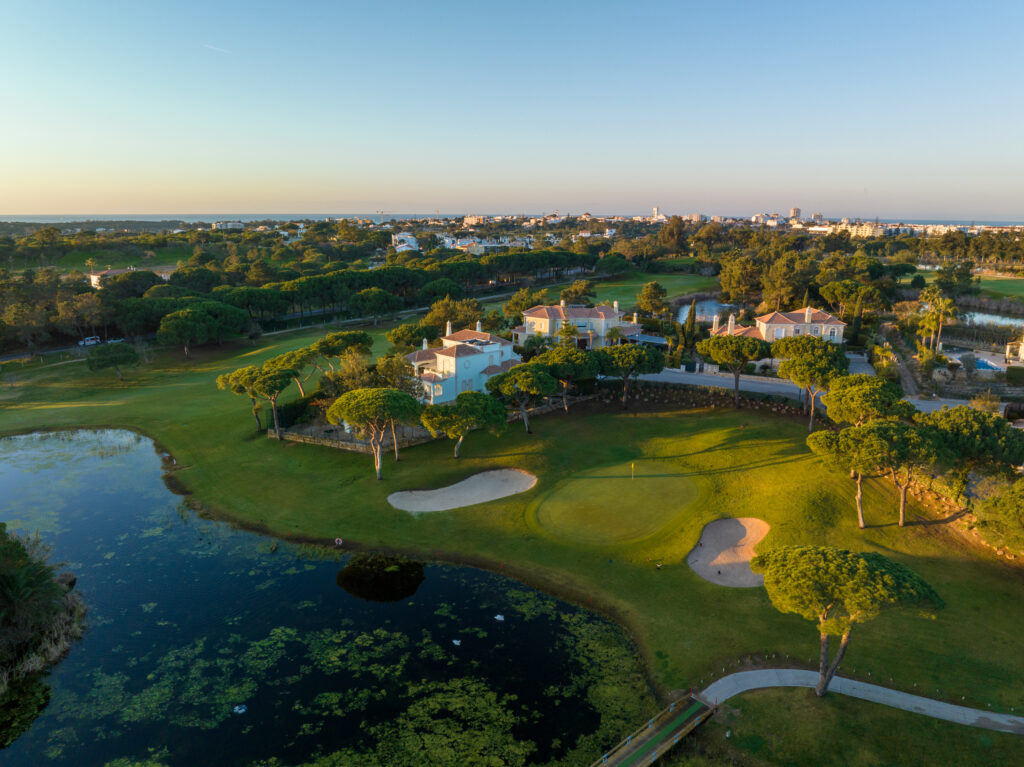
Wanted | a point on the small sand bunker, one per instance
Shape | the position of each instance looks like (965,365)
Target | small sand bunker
(725,550)
(480,488)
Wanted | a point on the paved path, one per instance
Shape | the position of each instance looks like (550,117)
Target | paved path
(743,681)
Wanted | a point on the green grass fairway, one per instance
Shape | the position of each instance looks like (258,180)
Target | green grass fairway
(612,506)
(721,463)
(625,289)
(1003,287)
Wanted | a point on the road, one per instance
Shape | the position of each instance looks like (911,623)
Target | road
(775,386)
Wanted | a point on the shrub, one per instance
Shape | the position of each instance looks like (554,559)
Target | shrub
(1015,375)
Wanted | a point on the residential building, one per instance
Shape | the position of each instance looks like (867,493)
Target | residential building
(593,324)
(228,225)
(774,325)
(463,362)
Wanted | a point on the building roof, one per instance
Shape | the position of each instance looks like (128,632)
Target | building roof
(492,370)
(458,350)
(799,317)
(421,355)
(461,336)
(559,312)
(739,330)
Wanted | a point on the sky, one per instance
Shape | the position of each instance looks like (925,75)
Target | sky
(905,110)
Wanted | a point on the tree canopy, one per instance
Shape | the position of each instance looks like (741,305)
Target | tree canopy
(860,397)
(115,356)
(627,361)
(373,412)
(811,363)
(471,410)
(522,385)
(837,589)
(733,353)
(569,364)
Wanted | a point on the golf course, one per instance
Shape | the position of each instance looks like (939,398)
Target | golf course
(618,493)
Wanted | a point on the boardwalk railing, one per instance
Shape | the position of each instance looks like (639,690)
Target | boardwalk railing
(658,736)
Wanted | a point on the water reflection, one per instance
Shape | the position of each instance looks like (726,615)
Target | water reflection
(380,578)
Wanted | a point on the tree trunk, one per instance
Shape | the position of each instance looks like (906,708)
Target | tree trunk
(860,508)
(810,426)
(394,439)
(826,678)
(938,339)
(118,371)
(186,351)
(903,501)
(625,389)
(526,418)
(277,424)
(458,444)
(256,414)
(736,387)
(565,396)
(823,665)
(375,446)
(299,384)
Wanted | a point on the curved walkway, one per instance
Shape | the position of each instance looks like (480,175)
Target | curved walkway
(744,681)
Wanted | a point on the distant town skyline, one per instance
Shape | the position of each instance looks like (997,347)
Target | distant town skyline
(900,111)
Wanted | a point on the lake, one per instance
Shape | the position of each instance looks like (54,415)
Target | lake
(984,318)
(707,310)
(211,645)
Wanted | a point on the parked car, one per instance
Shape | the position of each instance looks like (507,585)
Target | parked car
(116,341)
(90,341)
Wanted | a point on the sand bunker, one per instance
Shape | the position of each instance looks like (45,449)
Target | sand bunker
(480,488)
(725,550)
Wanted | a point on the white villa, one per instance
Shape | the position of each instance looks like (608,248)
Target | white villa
(463,362)
(769,327)
(593,324)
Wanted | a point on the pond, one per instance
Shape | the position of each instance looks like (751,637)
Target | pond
(210,645)
(707,310)
(985,318)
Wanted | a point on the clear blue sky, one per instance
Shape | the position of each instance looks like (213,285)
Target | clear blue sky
(909,109)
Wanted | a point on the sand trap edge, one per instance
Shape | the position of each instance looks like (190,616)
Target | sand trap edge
(724,552)
(480,488)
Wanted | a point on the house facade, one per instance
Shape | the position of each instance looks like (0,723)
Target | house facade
(464,362)
(775,325)
(592,323)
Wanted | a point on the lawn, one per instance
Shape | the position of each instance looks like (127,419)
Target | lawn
(74,260)
(591,531)
(1002,287)
(624,289)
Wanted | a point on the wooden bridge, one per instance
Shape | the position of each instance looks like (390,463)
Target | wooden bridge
(655,738)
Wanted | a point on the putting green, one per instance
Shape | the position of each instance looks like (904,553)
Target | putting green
(625,503)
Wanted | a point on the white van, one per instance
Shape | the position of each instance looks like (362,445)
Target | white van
(90,341)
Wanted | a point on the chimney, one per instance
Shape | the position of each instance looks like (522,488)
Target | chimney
(425,344)
(615,305)
(635,318)
(479,327)
(807,314)
(732,323)
(714,325)
(448,328)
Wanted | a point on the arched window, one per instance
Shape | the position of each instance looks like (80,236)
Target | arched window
(815,330)
(831,332)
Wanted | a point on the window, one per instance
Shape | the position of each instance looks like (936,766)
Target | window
(831,332)
(438,390)
(796,331)
(815,330)
(780,332)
